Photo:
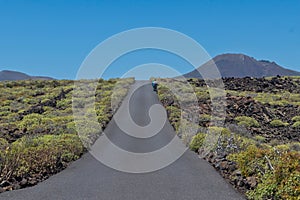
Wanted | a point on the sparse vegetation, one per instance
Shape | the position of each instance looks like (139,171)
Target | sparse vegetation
(296,124)
(247,121)
(259,152)
(32,156)
(278,172)
(278,123)
(296,118)
(197,141)
(38,137)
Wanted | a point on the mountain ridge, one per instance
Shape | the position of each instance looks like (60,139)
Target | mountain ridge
(241,65)
(9,75)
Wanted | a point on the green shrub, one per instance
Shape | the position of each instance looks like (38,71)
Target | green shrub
(282,147)
(3,148)
(290,186)
(282,182)
(31,121)
(197,141)
(173,112)
(64,103)
(36,123)
(259,138)
(216,138)
(218,130)
(247,121)
(251,161)
(3,144)
(174,116)
(296,118)
(47,154)
(296,124)
(278,123)
(277,171)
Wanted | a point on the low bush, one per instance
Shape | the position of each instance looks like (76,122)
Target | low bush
(296,124)
(296,118)
(214,134)
(46,154)
(259,138)
(278,123)
(197,141)
(3,147)
(277,171)
(247,121)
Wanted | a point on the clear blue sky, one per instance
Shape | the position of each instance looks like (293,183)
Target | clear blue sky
(53,37)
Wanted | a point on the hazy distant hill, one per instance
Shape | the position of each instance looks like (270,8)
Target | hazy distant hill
(239,65)
(7,75)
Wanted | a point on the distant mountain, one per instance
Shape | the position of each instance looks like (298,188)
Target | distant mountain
(239,65)
(7,75)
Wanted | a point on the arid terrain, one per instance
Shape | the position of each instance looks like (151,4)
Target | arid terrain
(38,136)
(258,148)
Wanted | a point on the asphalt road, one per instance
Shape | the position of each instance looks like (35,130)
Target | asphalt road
(88,179)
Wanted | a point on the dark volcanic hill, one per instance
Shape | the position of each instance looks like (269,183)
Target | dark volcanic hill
(239,65)
(7,75)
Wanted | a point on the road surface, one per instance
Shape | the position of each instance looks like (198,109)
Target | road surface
(88,179)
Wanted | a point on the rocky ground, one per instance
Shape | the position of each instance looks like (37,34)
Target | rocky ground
(230,171)
(264,113)
(270,85)
(264,100)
